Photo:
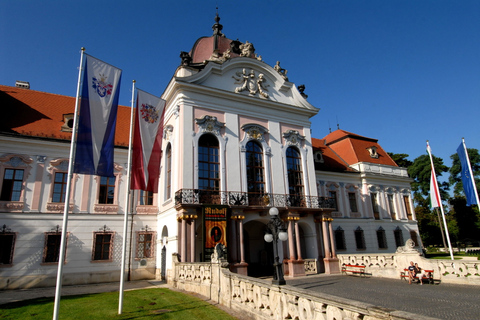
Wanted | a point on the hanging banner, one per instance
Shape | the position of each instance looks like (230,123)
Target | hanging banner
(215,228)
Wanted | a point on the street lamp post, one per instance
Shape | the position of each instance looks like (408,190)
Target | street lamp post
(275,231)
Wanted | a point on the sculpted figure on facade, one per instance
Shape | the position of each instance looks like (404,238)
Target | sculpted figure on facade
(247,49)
(251,82)
(409,247)
(281,71)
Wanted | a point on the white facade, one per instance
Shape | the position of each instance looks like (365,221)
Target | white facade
(226,105)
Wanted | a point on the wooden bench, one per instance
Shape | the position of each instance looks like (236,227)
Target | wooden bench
(353,269)
(428,276)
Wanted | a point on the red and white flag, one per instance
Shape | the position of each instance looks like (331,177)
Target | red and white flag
(147,142)
(435,200)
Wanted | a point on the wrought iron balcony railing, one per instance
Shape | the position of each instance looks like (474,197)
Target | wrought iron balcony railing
(233,198)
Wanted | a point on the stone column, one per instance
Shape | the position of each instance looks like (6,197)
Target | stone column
(291,245)
(183,246)
(320,256)
(192,240)
(242,245)
(326,238)
(235,266)
(297,238)
(332,240)
(330,260)
(296,266)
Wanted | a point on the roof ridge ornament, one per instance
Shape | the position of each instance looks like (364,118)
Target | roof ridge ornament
(217,27)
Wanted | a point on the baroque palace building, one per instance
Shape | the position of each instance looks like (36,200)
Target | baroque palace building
(237,141)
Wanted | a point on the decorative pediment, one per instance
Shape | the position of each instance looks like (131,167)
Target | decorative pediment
(293,138)
(210,124)
(254,131)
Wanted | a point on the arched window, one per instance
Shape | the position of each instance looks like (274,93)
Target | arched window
(294,170)
(208,163)
(255,168)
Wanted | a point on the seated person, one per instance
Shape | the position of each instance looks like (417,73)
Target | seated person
(411,272)
(420,273)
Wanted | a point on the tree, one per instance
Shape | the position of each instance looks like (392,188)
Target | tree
(420,172)
(429,224)
(467,219)
(401,159)
(455,176)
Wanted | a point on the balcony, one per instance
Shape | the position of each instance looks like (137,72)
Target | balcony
(245,199)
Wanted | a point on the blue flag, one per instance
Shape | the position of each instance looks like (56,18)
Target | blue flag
(467,178)
(97,119)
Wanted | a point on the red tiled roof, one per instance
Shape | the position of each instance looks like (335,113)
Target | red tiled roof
(331,161)
(352,148)
(40,114)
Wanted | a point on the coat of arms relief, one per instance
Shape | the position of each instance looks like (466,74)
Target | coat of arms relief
(251,82)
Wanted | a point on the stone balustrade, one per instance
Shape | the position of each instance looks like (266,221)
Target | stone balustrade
(390,266)
(259,299)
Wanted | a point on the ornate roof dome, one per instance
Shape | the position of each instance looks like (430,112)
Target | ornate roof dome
(216,48)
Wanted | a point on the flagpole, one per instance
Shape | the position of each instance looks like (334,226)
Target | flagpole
(471,173)
(61,258)
(127,205)
(434,177)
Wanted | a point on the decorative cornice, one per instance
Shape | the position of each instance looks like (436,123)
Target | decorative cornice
(16,160)
(54,207)
(141,209)
(105,208)
(12,206)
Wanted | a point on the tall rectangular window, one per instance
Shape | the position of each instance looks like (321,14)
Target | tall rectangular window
(102,249)
(391,206)
(208,163)
(360,239)
(340,239)
(413,236)
(352,199)
(145,245)
(408,210)
(398,237)
(51,252)
(59,187)
(381,239)
(376,212)
(7,243)
(12,185)
(294,171)
(107,190)
(333,196)
(146,198)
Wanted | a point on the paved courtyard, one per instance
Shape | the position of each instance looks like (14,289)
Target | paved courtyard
(442,301)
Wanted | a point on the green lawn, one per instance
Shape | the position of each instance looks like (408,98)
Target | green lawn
(446,255)
(158,303)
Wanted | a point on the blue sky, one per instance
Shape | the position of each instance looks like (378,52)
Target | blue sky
(399,71)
